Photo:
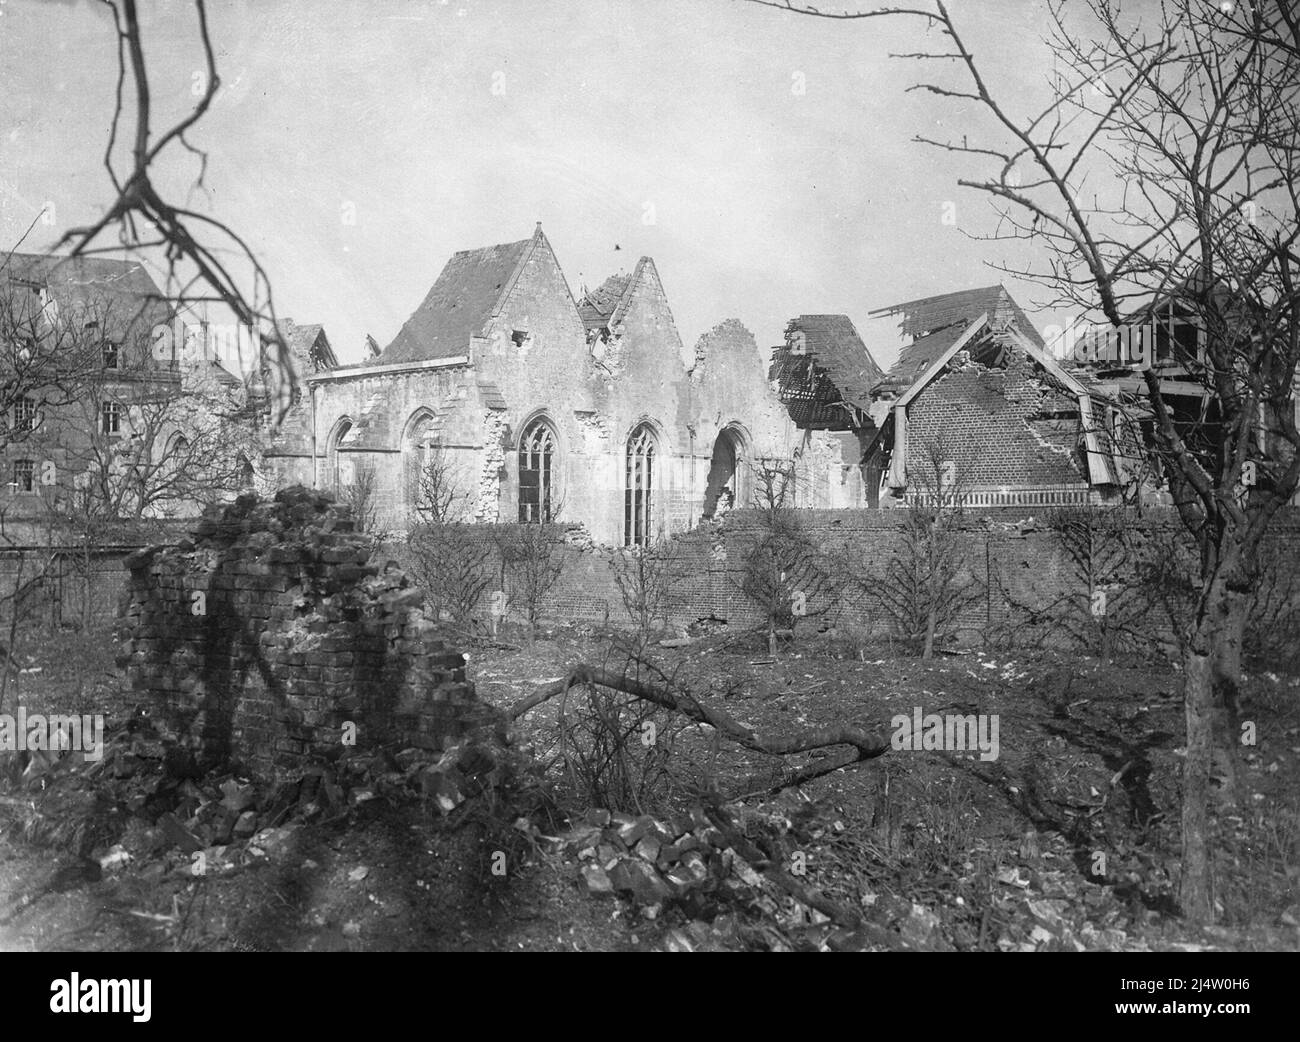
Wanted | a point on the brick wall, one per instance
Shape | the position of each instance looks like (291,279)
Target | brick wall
(263,636)
(1017,564)
(984,422)
(52,587)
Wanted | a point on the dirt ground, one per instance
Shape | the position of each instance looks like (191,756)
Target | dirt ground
(1067,841)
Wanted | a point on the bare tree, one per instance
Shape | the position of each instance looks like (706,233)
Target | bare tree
(201,253)
(45,356)
(532,561)
(1273,635)
(1106,609)
(647,578)
(787,575)
(618,750)
(1164,169)
(439,496)
(362,495)
(49,353)
(1120,571)
(452,558)
(140,444)
(926,583)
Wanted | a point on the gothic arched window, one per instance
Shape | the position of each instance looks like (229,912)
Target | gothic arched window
(336,472)
(642,447)
(428,493)
(537,459)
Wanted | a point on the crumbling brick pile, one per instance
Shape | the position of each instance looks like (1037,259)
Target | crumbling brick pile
(650,859)
(686,861)
(654,861)
(269,640)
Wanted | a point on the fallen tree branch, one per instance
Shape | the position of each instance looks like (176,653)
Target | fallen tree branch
(781,777)
(865,745)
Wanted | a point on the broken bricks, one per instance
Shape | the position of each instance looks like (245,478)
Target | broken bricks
(286,584)
(646,886)
(650,859)
(170,819)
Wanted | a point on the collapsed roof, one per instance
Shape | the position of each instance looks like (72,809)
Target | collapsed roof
(824,372)
(599,307)
(934,324)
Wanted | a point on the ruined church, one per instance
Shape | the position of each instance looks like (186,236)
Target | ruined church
(543,407)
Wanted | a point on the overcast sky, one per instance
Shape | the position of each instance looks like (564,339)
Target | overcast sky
(764,160)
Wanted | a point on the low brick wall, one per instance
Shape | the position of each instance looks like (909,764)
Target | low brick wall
(270,638)
(1016,564)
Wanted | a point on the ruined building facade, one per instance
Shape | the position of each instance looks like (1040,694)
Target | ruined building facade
(540,406)
(974,406)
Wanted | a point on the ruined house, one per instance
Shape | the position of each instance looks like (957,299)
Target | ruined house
(542,406)
(824,376)
(122,407)
(975,400)
(1167,337)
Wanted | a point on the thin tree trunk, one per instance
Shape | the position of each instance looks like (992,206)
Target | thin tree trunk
(1195,889)
(85,590)
(933,592)
(1228,635)
(11,650)
(928,651)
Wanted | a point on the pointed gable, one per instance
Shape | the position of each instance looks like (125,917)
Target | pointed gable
(933,324)
(607,306)
(308,347)
(1001,427)
(310,344)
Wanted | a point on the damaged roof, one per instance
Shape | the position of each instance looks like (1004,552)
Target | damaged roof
(831,366)
(930,314)
(597,306)
(458,306)
(605,306)
(935,323)
(309,344)
(833,343)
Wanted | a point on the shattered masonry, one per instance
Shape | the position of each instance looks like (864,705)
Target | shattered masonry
(264,637)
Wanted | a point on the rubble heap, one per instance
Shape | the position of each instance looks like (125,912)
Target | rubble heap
(270,640)
(650,859)
(130,807)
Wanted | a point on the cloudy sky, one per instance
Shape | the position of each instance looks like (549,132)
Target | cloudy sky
(764,160)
